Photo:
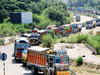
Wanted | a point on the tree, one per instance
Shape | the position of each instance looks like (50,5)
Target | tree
(47,40)
(79,61)
(3,14)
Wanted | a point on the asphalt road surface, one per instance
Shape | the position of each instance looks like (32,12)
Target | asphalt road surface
(11,68)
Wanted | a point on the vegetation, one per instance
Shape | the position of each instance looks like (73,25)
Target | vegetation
(92,4)
(93,41)
(79,38)
(47,40)
(8,29)
(79,61)
(44,13)
(2,42)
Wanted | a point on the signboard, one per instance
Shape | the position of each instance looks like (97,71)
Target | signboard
(4,56)
(0,56)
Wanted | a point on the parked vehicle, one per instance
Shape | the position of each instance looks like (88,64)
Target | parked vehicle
(21,45)
(37,59)
(98,22)
(78,18)
(34,39)
(59,63)
(74,28)
(79,27)
(43,61)
(67,28)
(27,35)
(89,24)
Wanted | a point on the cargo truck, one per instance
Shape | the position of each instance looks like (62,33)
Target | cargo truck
(89,24)
(21,46)
(44,61)
(34,39)
(98,22)
(75,28)
(78,18)
(59,63)
(37,60)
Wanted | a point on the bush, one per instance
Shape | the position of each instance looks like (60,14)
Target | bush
(94,41)
(79,61)
(2,42)
(47,40)
(79,38)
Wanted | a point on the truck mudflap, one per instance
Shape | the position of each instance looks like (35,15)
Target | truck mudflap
(63,73)
(69,72)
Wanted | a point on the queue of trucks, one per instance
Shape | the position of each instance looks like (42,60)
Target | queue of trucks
(46,61)
(41,61)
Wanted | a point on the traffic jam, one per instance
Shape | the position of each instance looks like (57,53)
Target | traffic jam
(41,61)
(47,61)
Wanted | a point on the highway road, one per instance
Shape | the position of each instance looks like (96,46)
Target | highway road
(11,68)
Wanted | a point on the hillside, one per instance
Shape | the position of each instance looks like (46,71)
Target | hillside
(44,13)
(91,4)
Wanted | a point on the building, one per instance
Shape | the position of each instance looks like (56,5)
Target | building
(21,17)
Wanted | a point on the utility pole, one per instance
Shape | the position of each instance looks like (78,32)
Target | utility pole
(4,58)
(4,67)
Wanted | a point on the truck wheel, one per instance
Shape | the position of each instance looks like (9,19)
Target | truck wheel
(24,64)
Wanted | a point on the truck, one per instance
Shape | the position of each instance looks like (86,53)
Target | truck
(34,39)
(89,24)
(75,28)
(79,27)
(98,22)
(20,47)
(45,61)
(59,63)
(37,60)
(78,18)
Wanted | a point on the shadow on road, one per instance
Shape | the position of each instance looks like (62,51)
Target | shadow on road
(28,74)
(15,61)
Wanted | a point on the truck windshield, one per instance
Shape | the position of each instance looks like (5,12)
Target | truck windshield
(22,41)
(89,22)
(98,20)
(57,61)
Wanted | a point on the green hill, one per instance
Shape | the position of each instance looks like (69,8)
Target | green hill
(45,12)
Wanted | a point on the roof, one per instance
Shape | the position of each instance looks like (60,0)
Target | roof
(34,34)
(38,48)
(26,34)
(41,31)
(22,38)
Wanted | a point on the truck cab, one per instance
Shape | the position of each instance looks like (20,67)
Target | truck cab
(74,28)
(78,18)
(98,22)
(89,24)
(58,63)
(35,39)
(21,46)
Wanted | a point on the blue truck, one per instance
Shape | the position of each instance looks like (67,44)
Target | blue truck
(90,24)
(20,48)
